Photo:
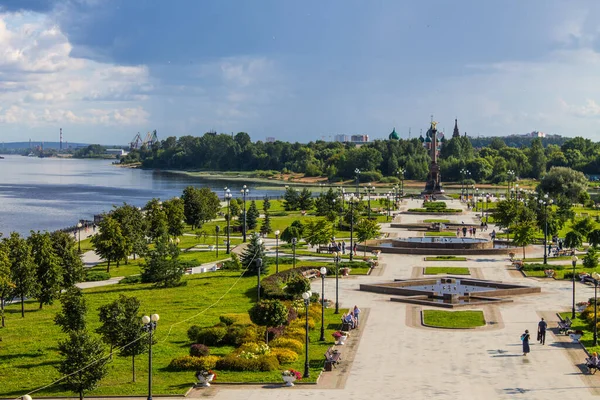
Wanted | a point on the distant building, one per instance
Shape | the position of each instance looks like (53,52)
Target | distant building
(341,138)
(116,152)
(537,134)
(359,138)
(270,139)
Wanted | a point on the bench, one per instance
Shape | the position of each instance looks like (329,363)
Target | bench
(592,366)
(564,326)
(310,274)
(323,249)
(518,264)
(332,358)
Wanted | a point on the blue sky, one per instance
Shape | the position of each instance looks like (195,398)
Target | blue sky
(104,70)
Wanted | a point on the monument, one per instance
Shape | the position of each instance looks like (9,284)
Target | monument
(433,186)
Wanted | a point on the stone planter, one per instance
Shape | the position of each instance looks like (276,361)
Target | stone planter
(575,337)
(342,340)
(289,380)
(345,271)
(549,273)
(204,381)
(580,308)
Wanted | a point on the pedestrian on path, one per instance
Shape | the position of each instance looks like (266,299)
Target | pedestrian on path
(542,326)
(356,311)
(343,247)
(525,339)
(354,248)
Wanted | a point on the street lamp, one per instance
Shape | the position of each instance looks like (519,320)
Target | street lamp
(306,297)
(369,189)
(244,192)
(511,176)
(150,324)
(337,287)
(277,251)
(217,230)
(26,397)
(258,268)
(352,200)
(487,207)
(574,261)
(389,195)
(79,225)
(546,204)
(401,176)
(596,276)
(323,271)
(357,172)
(228,199)
(294,241)
(476,198)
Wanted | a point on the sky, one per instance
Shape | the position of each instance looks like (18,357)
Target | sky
(104,70)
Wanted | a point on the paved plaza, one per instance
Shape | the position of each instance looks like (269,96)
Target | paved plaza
(394,360)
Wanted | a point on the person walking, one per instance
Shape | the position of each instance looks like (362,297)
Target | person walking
(354,248)
(343,247)
(542,326)
(525,339)
(356,311)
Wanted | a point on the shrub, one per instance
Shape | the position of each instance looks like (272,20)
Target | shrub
(94,276)
(189,363)
(370,176)
(235,319)
(272,286)
(234,264)
(261,363)
(255,348)
(285,356)
(131,279)
(295,333)
(199,350)
(301,323)
(294,345)
(238,334)
(208,336)
(297,285)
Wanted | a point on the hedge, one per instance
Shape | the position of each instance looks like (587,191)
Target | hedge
(189,363)
(272,286)
(261,363)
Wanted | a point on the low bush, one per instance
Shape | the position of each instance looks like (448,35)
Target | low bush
(272,286)
(294,333)
(189,363)
(255,348)
(131,279)
(212,336)
(434,210)
(235,319)
(232,265)
(301,323)
(95,276)
(199,350)
(284,356)
(541,267)
(238,334)
(370,176)
(435,204)
(261,363)
(292,344)
(297,285)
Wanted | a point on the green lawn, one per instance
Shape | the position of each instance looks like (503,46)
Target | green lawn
(447,270)
(560,273)
(540,259)
(445,234)
(453,319)
(434,220)
(29,354)
(445,258)
(588,334)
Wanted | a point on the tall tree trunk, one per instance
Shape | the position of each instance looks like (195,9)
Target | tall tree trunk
(523,253)
(108,266)
(22,305)
(133,366)
(41,305)
(81,395)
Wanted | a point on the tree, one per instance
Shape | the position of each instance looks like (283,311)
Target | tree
(563,181)
(133,226)
(317,231)
(537,158)
(65,248)
(6,283)
(524,235)
(83,363)
(266,204)
(573,240)
(305,200)
(109,243)
(297,285)
(121,327)
(594,237)
(47,268)
(199,205)
(366,229)
(590,260)
(269,313)
(71,318)
(266,225)
(254,251)
(175,215)
(22,269)
(234,208)
(506,213)
(162,265)
(252,215)
(584,226)
(291,199)
(295,230)
(156,219)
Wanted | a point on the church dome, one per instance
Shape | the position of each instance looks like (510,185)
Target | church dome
(421,138)
(394,135)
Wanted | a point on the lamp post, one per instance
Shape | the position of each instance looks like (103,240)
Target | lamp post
(306,297)
(294,241)
(150,324)
(357,172)
(369,189)
(244,192)
(323,271)
(352,200)
(217,230)
(476,198)
(487,207)
(79,225)
(337,287)
(258,268)
(574,261)
(596,276)
(389,200)
(546,204)
(228,199)
(511,176)
(277,251)
(401,176)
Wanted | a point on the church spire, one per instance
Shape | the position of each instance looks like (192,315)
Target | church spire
(455,133)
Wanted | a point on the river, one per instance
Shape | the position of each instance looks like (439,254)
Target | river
(54,193)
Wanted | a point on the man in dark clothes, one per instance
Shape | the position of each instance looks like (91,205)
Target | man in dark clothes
(542,325)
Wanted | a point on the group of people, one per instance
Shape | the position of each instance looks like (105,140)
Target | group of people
(471,230)
(541,336)
(351,318)
(339,247)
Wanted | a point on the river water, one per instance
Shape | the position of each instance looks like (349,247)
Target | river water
(53,193)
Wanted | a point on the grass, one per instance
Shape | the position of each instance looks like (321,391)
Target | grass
(434,220)
(588,335)
(541,259)
(447,270)
(453,319)
(445,258)
(560,274)
(29,346)
(445,234)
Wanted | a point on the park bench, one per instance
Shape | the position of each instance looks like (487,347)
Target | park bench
(346,326)
(332,358)
(518,264)
(323,249)
(310,274)
(592,366)
(564,326)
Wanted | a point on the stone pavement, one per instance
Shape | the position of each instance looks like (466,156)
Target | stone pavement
(396,361)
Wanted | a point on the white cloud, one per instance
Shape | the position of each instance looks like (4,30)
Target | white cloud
(41,83)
